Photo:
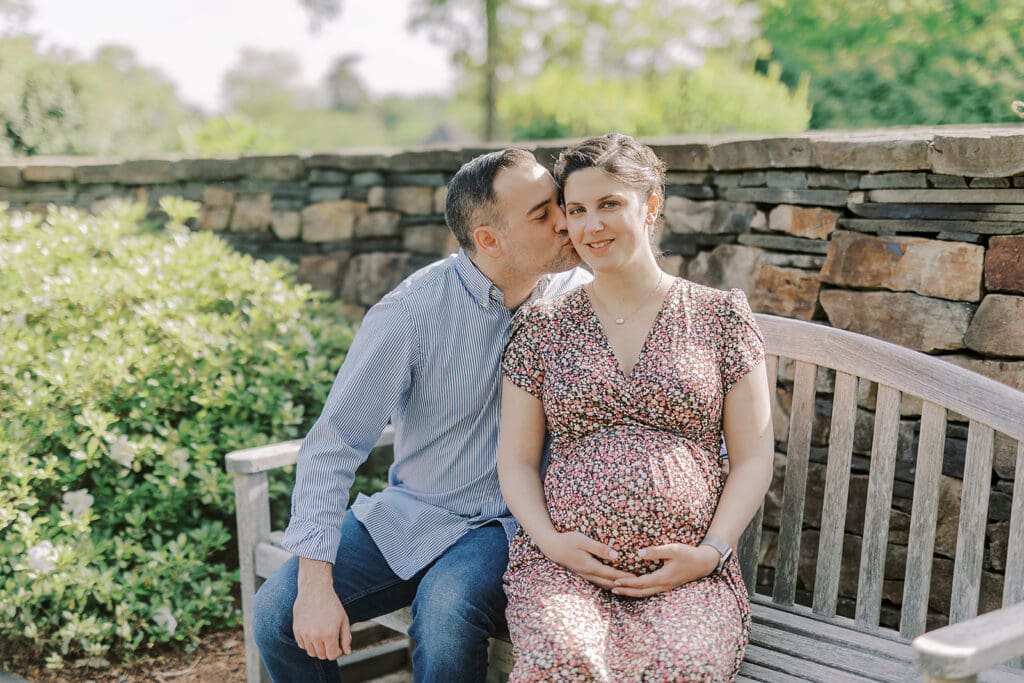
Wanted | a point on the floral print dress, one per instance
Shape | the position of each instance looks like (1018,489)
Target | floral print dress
(633,463)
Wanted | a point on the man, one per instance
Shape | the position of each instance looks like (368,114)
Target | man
(426,358)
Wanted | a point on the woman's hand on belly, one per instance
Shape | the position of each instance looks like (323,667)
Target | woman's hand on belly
(682,564)
(582,554)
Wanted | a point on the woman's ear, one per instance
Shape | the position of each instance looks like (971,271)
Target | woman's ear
(653,208)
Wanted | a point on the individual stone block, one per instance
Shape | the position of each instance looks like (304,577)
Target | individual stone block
(217,195)
(211,170)
(1004,264)
(367,179)
(752,179)
(792,180)
(772,195)
(759,154)
(833,180)
(215,218)
(417,179)
(47,173)
(331,221)
(283,167)
(725,267)
(440,199)
(976,228)
(686,178)
(990,183)
(788,292)
(804,261)
(145,172)
(408,200)
(325,272)
(349,162)
(784,243)
(871,153)
(378,224)
(879,181)
(947,182)
(678,157)
(998,327)
(814,223)
(10,176)
(286,225)
(910,320)
(986,155)
(370,276)
(328,176)
(1014,196)
(436,240)
(685,216)
(251,213)
(325,193)
(948,270)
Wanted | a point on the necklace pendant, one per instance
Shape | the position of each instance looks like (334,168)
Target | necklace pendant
(620,321)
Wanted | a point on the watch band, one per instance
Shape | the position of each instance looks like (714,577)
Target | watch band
(723,548)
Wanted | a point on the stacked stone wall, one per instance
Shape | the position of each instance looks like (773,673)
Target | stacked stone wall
(913,236)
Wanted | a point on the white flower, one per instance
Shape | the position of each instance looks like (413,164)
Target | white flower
(42,557)
(122,451)
(78,503)
(78,455)
(164,617)
(178,458)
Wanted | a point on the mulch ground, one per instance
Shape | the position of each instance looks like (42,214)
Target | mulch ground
(219,659)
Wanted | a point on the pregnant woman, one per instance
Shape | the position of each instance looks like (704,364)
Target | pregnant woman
(623,569)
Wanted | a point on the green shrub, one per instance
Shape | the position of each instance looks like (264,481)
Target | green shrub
(132,358)
(719,97)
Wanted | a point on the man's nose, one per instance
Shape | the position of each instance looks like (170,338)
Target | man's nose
(560,223)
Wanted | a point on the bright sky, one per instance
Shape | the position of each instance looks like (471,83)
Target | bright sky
(195,41)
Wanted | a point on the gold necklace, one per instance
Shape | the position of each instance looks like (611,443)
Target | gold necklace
(621,320)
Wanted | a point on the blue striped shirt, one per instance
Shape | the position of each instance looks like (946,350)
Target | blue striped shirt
(426,359)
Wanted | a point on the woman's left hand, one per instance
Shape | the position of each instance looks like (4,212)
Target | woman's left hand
(682,564)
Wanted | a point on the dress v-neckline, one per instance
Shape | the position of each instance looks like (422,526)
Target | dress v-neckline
(647,338)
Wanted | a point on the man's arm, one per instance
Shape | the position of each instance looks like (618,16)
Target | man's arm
(376,373)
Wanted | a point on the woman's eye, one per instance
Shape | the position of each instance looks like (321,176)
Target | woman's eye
(610,204)
(575,210)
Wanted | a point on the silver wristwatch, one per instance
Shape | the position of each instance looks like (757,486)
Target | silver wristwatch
(723,548)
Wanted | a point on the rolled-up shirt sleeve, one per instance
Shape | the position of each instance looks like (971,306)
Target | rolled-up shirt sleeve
(376,374)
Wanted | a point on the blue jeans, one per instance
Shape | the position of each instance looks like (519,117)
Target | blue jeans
(457,603)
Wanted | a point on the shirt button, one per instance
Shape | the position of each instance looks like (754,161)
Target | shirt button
(492,499)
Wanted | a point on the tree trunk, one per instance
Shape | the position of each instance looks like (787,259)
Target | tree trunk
(491,68)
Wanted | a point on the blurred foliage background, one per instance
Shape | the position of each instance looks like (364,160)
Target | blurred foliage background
(531,69)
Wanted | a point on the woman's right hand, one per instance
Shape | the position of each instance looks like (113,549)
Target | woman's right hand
(581,554)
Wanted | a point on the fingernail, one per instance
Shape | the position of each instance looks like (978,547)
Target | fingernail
(642,553)
(613,555)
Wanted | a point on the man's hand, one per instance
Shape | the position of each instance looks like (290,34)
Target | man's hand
(319,621)
(579,553)
(682,564)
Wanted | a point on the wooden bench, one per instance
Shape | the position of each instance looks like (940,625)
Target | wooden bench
(799,630)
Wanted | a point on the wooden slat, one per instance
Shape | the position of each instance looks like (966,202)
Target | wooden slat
(252,515)
(837,489)
(923,516)
(918,374)
(796,665)
(970,536)
(876,513)
(1013,589)
(839,656)
(275,455)
(962,650)
(750,542)
(795,486)
(756,672)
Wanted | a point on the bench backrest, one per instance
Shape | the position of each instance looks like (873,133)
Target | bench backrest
(811,366)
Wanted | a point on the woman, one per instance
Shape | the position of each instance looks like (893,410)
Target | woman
(623,568)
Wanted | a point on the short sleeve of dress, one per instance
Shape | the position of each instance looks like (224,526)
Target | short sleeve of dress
(742,343)
(523,362)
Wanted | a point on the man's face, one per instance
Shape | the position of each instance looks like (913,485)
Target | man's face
(535,233)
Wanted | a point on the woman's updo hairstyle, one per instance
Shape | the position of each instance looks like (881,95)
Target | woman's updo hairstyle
(631,163)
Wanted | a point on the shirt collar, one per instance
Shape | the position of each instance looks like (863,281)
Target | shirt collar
(482,289)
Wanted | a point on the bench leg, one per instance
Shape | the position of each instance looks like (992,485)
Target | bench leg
(252,513)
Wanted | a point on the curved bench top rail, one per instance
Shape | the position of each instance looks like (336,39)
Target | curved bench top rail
(912,372)
(281,454)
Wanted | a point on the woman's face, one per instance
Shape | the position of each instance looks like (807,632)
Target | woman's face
(608,221)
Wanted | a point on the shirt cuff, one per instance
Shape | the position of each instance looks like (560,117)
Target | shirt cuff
(312,541)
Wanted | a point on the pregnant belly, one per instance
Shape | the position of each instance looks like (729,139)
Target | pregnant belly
(631,488)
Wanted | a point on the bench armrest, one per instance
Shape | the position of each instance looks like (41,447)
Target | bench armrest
(272,456)
(965,649)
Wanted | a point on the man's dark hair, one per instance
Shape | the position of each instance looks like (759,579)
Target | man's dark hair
(471,199)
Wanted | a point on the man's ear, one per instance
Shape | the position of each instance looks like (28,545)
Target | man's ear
(488,241)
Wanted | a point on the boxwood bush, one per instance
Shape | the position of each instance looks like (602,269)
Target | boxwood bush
(133,355)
